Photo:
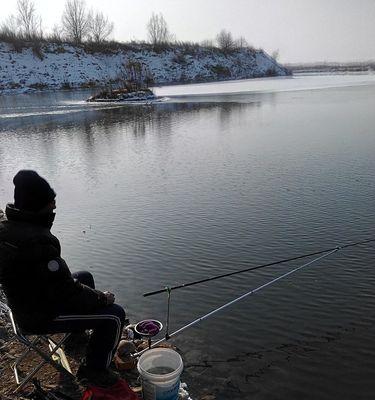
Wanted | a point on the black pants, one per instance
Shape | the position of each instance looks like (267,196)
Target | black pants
(107,324)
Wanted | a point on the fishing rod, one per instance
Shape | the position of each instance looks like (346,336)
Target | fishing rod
(253,291)
(315,253)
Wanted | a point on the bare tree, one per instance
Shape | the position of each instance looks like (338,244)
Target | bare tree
(100,27)
(29,23)
(225,40)
(157,29)
(241,43)
(76,20)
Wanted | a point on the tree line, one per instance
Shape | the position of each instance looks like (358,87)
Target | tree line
(79,24)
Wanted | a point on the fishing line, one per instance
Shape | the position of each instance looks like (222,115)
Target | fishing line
(315,253)
(253,291)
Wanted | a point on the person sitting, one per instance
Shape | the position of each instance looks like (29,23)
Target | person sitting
(44,296)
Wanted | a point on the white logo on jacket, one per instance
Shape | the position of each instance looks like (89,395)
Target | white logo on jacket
(53,265)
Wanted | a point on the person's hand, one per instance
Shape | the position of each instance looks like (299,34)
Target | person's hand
(110,298)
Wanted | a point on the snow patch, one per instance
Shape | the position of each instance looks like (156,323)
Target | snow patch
(65,66)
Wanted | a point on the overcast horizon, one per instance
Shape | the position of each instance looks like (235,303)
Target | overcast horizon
(301,31)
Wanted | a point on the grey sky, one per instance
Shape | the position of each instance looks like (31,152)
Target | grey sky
(302,30)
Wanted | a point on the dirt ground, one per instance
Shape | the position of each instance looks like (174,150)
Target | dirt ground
(50,380)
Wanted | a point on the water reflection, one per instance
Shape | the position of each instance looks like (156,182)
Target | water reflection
(158,118)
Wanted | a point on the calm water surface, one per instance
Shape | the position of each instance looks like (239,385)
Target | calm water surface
(214,178)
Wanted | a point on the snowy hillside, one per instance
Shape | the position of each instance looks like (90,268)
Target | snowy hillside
(65,66)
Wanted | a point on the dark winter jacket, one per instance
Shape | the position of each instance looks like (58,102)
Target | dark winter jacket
(35,279)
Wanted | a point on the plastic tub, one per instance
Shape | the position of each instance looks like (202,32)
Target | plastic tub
(157,382)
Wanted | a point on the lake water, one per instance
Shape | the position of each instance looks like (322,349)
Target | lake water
(215,178)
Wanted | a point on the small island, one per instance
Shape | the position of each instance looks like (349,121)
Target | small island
(122,95)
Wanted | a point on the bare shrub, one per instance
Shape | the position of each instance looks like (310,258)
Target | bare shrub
(179,58)
(38,86)
(9,33)
(37,50)
(221,71)
(137,74)
(66,85)
(60,50)
(9,29)
(57,35)
(208,43)
(271,72)
(184,48)
(14,85)
(88,84)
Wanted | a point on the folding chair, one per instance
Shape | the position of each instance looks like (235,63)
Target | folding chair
(55,356)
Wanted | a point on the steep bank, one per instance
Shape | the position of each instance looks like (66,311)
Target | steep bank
(63,66)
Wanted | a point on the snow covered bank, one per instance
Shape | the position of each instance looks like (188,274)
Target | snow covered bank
(65,66)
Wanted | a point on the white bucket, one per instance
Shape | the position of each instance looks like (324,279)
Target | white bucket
(160,386)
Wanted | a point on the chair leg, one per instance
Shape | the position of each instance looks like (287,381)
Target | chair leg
(28,377)
(26,352)
(46,359)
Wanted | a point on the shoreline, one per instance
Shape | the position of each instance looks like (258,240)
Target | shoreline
(30,90)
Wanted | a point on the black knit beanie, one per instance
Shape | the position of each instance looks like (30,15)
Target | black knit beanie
(31,191)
